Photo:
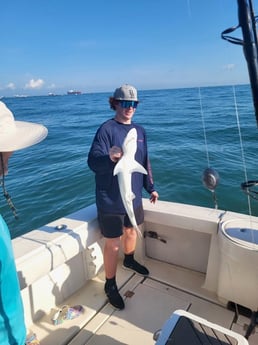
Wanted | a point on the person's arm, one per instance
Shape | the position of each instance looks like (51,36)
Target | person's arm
(99,158)
(148,182)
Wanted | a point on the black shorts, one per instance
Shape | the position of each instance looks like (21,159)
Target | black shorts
(112,225)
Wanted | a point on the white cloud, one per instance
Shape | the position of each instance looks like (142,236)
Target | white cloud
(34,84)
(11,86)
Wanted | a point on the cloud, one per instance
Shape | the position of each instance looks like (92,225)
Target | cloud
(34,84)
(11,86)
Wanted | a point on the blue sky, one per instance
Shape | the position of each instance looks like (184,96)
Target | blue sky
(97,45)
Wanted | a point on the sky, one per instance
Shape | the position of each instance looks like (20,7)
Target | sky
(51,46)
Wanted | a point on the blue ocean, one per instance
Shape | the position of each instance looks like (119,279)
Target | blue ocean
(188,130)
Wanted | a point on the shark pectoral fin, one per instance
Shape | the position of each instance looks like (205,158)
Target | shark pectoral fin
(137,167)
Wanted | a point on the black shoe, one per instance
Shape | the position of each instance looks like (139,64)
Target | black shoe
(114,297)
(136,267)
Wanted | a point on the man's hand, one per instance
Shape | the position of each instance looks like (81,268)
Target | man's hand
(115,153)
(154,197)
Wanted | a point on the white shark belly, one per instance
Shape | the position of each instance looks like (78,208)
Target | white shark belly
(124,182)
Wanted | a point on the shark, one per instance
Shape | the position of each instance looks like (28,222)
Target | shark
(124,169)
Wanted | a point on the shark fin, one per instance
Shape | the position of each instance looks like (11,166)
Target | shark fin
(137,167)
(134,167)
(138,231)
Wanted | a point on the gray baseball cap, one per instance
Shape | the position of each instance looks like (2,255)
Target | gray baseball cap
(126,93)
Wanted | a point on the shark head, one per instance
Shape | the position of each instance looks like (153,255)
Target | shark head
(130,142)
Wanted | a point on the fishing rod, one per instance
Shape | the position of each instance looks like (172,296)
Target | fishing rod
(249,42)
(247,22)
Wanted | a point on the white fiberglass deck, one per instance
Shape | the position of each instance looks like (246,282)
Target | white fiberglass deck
(149,303)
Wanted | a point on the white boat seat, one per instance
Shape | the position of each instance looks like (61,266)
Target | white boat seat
(184,328)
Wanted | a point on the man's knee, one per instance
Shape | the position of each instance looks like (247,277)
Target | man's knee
(113,244)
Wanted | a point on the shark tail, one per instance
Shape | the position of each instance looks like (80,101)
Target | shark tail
(138,231)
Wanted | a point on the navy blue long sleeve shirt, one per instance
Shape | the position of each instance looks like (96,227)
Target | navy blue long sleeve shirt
(112,133)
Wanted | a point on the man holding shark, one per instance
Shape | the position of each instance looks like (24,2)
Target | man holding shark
(119,159)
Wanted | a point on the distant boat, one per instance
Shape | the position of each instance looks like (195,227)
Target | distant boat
(74,92)
(20,96)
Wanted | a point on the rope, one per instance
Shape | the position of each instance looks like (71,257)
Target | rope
(5,193)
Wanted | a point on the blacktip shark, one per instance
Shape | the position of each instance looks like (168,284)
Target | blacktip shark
(124,169)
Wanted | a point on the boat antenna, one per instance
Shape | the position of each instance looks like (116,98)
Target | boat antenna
(247,22)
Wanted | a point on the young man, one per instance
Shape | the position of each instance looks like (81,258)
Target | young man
(14,135)
(105,152)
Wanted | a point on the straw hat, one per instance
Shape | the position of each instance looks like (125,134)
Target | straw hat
(16,135)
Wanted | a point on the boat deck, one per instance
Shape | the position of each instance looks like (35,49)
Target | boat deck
(149,302)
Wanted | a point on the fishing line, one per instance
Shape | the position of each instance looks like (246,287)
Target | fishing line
(204,128)
(241,147)
(210,176)
(243,159)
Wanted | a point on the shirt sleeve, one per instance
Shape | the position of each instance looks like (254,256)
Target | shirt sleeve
(98,157)
(148,182)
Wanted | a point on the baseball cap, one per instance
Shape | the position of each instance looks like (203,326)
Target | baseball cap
(126,92)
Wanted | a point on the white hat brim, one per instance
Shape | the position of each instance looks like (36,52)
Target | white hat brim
(25,135)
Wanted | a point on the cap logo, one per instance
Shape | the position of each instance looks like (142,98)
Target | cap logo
(131,93)
(126,92)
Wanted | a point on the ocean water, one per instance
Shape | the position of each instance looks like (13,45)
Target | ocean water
(188,130)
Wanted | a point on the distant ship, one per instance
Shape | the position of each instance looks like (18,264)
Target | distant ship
(74,92)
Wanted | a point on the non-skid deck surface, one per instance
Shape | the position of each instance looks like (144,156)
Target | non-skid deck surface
(144,314)
(149,302)
(149,306)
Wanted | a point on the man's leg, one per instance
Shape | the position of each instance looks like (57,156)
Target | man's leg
(129,240)
(111,251)
(129,244)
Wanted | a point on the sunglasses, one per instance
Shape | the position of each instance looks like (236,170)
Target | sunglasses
(128,104)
